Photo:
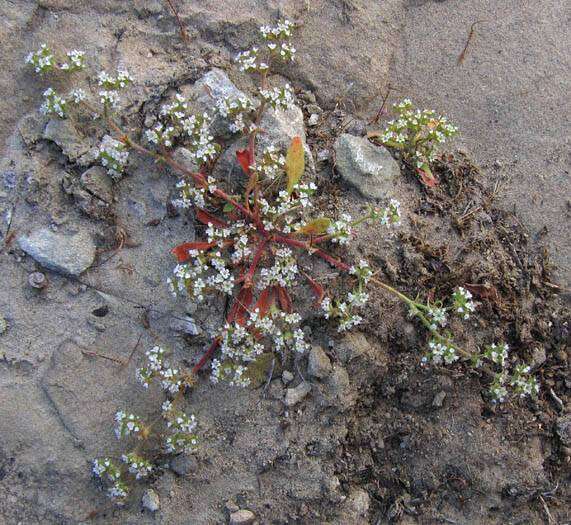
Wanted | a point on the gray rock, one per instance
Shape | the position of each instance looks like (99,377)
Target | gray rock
(538,357)
(185,325)
(318,363)
(280,127)
(287,377)
(184,465)
(150,500)
(184,156)
(295,395)
(337,391)
(352,346)
(64,134)
(96,181)
(313,119)
(368,168)
(564,429)
(231,506)
(438,400)
(66,254)
(214,85)
(242,517)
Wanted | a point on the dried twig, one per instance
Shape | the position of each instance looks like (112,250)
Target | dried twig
(183,33)
(470,37)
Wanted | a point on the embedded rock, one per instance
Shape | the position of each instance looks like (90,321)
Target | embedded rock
(207,90)
(368,168)
(64,134)
(318,363)
(150,500)
(97,182)
(242,517)
(564,429)
(66,254)
(183,465)
(295,395)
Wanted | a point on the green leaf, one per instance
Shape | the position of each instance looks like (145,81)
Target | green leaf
(316,226)
(295,163)
(228,207)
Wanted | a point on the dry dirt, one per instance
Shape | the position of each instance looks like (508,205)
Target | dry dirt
(371,443)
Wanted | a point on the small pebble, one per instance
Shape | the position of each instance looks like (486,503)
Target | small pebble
(287,377)
(295,395)
(231,506)
(184,465)
(150,500)
(37,280)
(438,400)
(313,120)
(318,363)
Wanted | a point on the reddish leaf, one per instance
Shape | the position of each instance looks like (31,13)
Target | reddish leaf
(181,251)
(245,159)
(205,217)
(241,306)
(317,289)
(265,301)
(427,178)
(484,291)
(284,299)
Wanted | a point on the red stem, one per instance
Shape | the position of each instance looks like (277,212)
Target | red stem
(207,355)
(257,256)
(282,239)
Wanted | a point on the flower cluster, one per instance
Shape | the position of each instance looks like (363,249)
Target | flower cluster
(417,133)
(161,135)
(169,377)
(202,145)
(340,230)
(344,311)
(109,95)
(278,98)
(113,155)
(106,469)
(277,45)
(271,164)
(440,351)
(127,424)
(75,61)
(463,304)
(183,438)
(137,465)
(236,110)
(242,343)
(283,272)
(53,104)
(42,60)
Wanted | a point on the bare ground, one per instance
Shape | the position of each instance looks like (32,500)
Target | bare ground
(369,444)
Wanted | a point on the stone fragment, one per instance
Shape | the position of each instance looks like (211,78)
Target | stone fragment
(212,86)
(295,395)
(242,517)
(438,400)
(150,500)
(318,363)
(184,465)
(287,377)
(63,133)
(368,168)
(563,428)
(96,181)
(66,254)
(313,119)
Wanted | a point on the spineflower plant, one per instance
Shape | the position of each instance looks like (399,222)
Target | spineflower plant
(258,238)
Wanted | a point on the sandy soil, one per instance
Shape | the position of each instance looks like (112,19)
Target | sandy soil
(369,444)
